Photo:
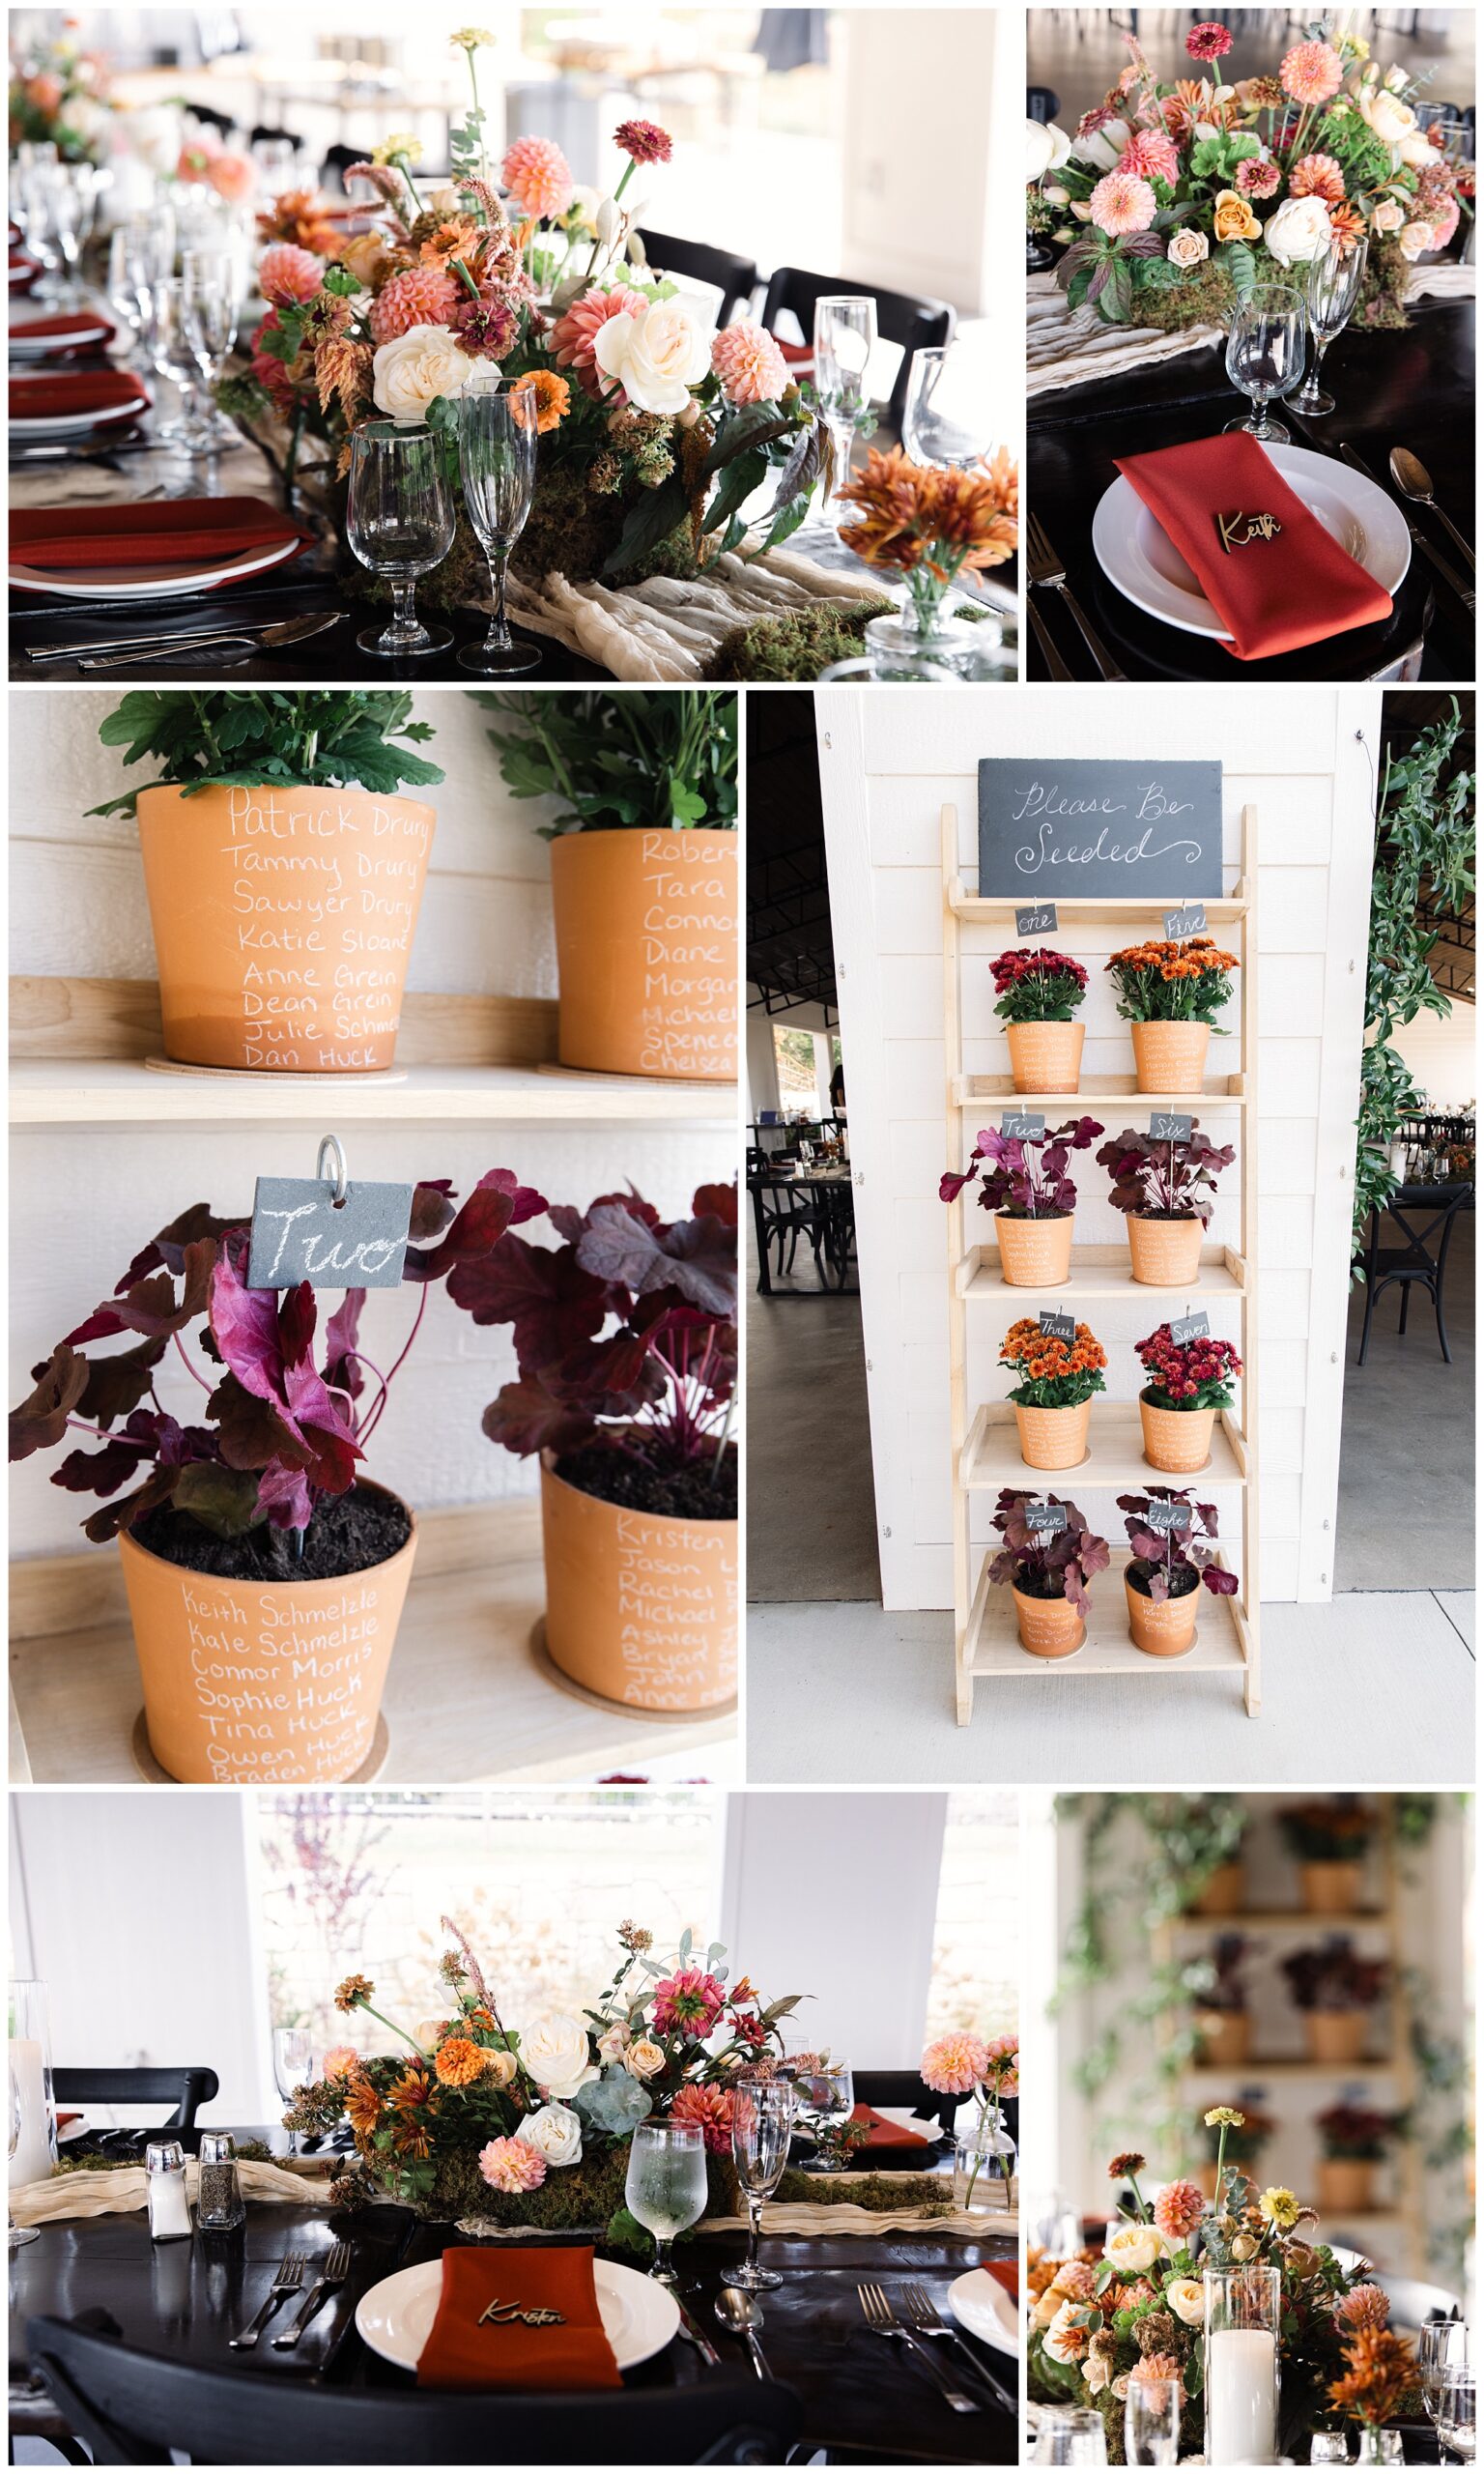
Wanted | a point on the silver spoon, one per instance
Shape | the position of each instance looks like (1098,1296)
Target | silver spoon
(740,2315)
(1414,481)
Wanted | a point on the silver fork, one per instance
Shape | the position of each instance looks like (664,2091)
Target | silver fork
(1047,568)
(335,2270)
(882,2321)
(926,2317)
(288,2277)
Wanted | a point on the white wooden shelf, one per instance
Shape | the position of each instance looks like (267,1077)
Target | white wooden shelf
(48,1091)
(999,910)
(993,1644)
(1096,1271)
(1115,1454)
(980,1090)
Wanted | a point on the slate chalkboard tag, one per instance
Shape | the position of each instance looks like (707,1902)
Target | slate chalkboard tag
(1162,1517)
(1190,1327)
(324,1231)
(1039,920)
(1045,1520)
(1166,1125)
(1058,1327)
(1018,1126)
(1190,922)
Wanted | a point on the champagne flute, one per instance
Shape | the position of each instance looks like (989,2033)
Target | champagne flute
(20,2233)
(172,356)
(293,2069)
(1331,288)
(497,467)
(1152,2422)
(399,516)
(844,339)
(129,281)
(209,313)
(666,2186)
(1454,2413)
(762,2126)
(1265,354)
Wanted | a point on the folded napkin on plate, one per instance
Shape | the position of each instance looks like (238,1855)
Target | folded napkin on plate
(884,2132)
(1006,2272)
(148,536)
(1293,588)
(76,393)
(466,2348)
(26,272)
(81,323)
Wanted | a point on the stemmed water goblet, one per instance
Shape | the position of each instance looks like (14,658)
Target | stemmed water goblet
(844,339)
(1443,2345)
(666,2186)
(945,420)
(167,341)
(1331,287)
(1454,2410)
(208,310)
(1265,354)
(128,280)
(763,2111)
(399,517)
(20,2233)
(293,2069)
(75,189)
(497,469)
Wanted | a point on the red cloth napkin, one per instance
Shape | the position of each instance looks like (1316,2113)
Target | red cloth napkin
(147,536)
(77,390)
(83,323)
(799,356)
(25,271)
(467,2350)
(885,2133)
(1275,594)
(1006,2272)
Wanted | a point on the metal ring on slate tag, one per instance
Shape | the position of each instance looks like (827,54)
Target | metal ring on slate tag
(332,1143)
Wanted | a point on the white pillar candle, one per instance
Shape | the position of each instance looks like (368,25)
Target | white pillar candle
(34,2160)
(1242,2404)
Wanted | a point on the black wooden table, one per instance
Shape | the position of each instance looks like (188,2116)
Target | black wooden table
(1413,388)
(864,2399)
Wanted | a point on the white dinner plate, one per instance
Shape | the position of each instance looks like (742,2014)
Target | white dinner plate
(145,584)
(639,2315)
(1138,555)
(78,2129)
(24,347)
(983,2307)
(55,427)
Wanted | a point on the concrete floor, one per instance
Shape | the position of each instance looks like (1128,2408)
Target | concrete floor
(1407,1446)
(1079,53)
(811,1499)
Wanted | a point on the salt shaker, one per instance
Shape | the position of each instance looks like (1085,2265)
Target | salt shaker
(164,2169)
(220,2202)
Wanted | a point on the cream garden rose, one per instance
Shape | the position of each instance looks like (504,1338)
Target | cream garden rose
(1388,216)
(500,2066)
(1185,2298)
(554,2050)
(1096,2374)
(644,2058)
(555,2132)
(1133,2246)
(1415,238)
(1187,247)
(656,358)
(407,373)
(1299,230)
(1386,115)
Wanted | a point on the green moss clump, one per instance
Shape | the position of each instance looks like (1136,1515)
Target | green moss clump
(797,647)
(927,2195)
(573,530)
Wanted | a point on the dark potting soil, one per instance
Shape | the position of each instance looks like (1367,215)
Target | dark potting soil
(1046,1585)
(347,1534)
(675,1494)
(1167,1215)
(1182,1581)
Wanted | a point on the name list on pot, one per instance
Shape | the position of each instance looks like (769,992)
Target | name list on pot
(281,1697)
(690,925)
(677,1598)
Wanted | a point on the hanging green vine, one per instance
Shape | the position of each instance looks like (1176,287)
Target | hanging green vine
(1424,844)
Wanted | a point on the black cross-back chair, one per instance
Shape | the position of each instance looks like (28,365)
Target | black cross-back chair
(222,121)
(1043,104)
(695,262)
(787,1215)
(902,318)
(185,2086)
(1412,1265)
(132,2408)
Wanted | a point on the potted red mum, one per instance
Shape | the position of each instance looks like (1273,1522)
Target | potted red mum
(1178,1405)
(1356,2139)
(1040,992)
(1026,1185)
(1335,1990)
(1048,1568)
(1174,1554)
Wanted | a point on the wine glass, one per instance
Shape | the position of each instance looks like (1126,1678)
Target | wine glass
(1265,353)
(827,2094)
(1331,288)
(20,2233)
(1152,2422)
(399,516)
(762,2126)
(945,420)
(209,310)
(1453,2411)
(844,339)
(497,467)
(1443,2344)
(169,346)
(666,2186)
(129,277)
(293,2069)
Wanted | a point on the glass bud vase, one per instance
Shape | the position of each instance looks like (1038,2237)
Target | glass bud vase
(1244,2307)
(983,2167)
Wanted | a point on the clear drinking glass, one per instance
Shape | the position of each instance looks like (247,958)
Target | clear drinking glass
(762,2126)
(209,311)
(169,346)
(293,2069)
(1243,2308)
(1152,2422)
(498,468)
(1329,2448)
(946,417)
(666,2187)
(1070,2435)
(75,189)
(826,2095)
(129,280)
(1443,2344)
(400,520)
(34,2149)
(1331,288)
(1265,353)
(844,339)
(1453,2411)
(20,2233)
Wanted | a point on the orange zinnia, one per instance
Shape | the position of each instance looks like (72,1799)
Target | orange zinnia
(459,2062)
(545,393)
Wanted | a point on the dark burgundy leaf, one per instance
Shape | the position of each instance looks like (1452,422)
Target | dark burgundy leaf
(40,1420)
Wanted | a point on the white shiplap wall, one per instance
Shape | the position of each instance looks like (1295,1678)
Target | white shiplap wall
(1305,758)
(78,909)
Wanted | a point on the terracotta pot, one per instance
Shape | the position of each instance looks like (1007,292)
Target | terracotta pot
(1346,2185)
(646,952)
(1336,2035)
(1045,1056)
(1164,1632)
(1226,2038)
(1165,1254)
(1178,1440)
(1331,1888)
(1050,1627)
(262,1683)
(1224,1894)
(1170,1057)
(1035,1253)
(1053,1438)
(640,1608)
(283,921)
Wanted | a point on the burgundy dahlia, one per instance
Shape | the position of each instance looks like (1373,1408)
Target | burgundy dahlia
(644,141)
(1208,41)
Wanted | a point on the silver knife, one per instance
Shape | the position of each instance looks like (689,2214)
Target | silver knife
(691,2328)
(270,638)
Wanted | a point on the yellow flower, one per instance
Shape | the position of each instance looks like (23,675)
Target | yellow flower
(1224,2115)
(472,39)
(403,148)
(1235,218)
(1280,2208)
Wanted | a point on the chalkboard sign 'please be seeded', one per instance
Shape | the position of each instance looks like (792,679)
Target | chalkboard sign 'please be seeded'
(1095,828)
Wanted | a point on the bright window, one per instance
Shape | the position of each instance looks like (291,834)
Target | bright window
(976,1940)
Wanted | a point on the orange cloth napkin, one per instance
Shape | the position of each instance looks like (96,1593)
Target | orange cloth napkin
(1006,2272)
(1274,594)
(147,536)
(75,391)
(467,2350)
(885,2133)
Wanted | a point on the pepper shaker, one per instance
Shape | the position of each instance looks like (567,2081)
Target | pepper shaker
(220,2205)
(164,2168)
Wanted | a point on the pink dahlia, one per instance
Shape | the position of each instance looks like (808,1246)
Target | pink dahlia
(1257,176)
(711,2108)
(1317,176)
(419,297)
(1177,2211)
(1365,2306)
(1311,72)
(1002,2062)
(956,2066)
(644,141)
(1150,155)
(338,2060)
(691,2000)
(575,332)
(1122,203)
(1158,2367)
(1208,41)
(538,177)
(1445,224)
(288,274)
(1076,2281)
(749,363)
(509,2165)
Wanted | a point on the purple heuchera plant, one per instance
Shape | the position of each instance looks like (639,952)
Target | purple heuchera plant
(1072,1555)
(1025,1178)
(286,1424)
(1172,1180)
(1176,1550)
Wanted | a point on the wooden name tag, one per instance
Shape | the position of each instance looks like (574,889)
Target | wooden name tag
(504,2314)
(1239,532)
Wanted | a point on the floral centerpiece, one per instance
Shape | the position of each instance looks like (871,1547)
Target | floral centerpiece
(1190,192)
(472,2116)
(930,526)
(986,2069)
(1052,1397)
(1135,2309)
(59,97)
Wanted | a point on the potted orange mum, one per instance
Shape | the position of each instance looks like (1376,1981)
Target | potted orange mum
(1170,993)
(1053,1397)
